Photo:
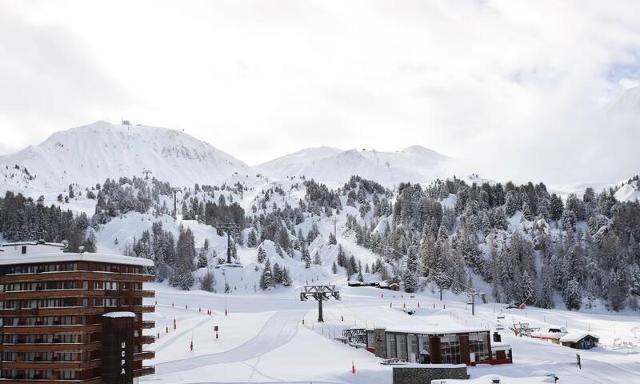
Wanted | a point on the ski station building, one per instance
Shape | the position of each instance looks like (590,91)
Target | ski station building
(72,317)
(435,346)
(578,340)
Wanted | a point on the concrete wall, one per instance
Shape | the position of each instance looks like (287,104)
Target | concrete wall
(381,342)
(424,374)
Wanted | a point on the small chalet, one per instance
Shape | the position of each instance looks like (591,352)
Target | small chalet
(578,340)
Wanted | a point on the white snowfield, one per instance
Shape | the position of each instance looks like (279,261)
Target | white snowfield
(263,340)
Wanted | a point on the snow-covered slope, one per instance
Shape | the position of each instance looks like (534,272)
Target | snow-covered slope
(334,167)
(629,190)
(89,154)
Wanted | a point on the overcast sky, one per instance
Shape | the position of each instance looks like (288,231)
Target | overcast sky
(520,89)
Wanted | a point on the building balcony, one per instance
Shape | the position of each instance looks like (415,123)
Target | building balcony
(51,329)
(51,311)
(51,347)
(144,339)
(77,276)
(95,380)
(51,364)
(75,310)
(144,355)
(73,293)
(146,324)
(138,308)
(144,371)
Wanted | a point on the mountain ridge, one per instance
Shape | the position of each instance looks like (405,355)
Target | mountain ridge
(90,153)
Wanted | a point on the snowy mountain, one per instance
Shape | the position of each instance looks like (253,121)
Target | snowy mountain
(629,190)
(89,154)
(334,166)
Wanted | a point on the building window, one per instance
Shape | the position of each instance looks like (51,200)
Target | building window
(450,347)
(479,345)
(391,345)
(402,346)
(371,339)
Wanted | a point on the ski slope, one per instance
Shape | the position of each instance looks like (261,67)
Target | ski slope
(263,339)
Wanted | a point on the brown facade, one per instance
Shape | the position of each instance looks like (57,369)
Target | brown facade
(51,323)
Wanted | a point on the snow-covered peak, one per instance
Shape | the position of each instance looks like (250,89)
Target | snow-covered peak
(334,167)
(91,153)
(419,150)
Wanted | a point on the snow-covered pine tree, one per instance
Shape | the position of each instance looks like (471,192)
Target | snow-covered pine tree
(277,273)
(572,296)
(262,255)
(252,239)
(203,255)
(208,282)
(525,288)
(527,213)
(183,276)
(544,297)
(556,207)
(352,266)
(512,203)
(266,279)
(90,242)
(410,281)
(286,279)
(306,257)
(316,258)
(342,257)
(334,268)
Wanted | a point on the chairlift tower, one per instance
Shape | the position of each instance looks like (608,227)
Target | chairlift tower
(472,293)
(175,200)
(320,293)
(229,227)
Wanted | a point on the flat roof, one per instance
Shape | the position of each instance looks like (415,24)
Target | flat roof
(18,243)
(430,330)
(41,258)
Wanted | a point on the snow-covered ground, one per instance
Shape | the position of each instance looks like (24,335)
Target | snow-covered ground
(263,338)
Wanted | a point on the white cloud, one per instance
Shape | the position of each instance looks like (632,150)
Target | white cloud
(515,87)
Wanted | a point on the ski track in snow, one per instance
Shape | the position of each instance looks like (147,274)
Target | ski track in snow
(176,337)
(277,331)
